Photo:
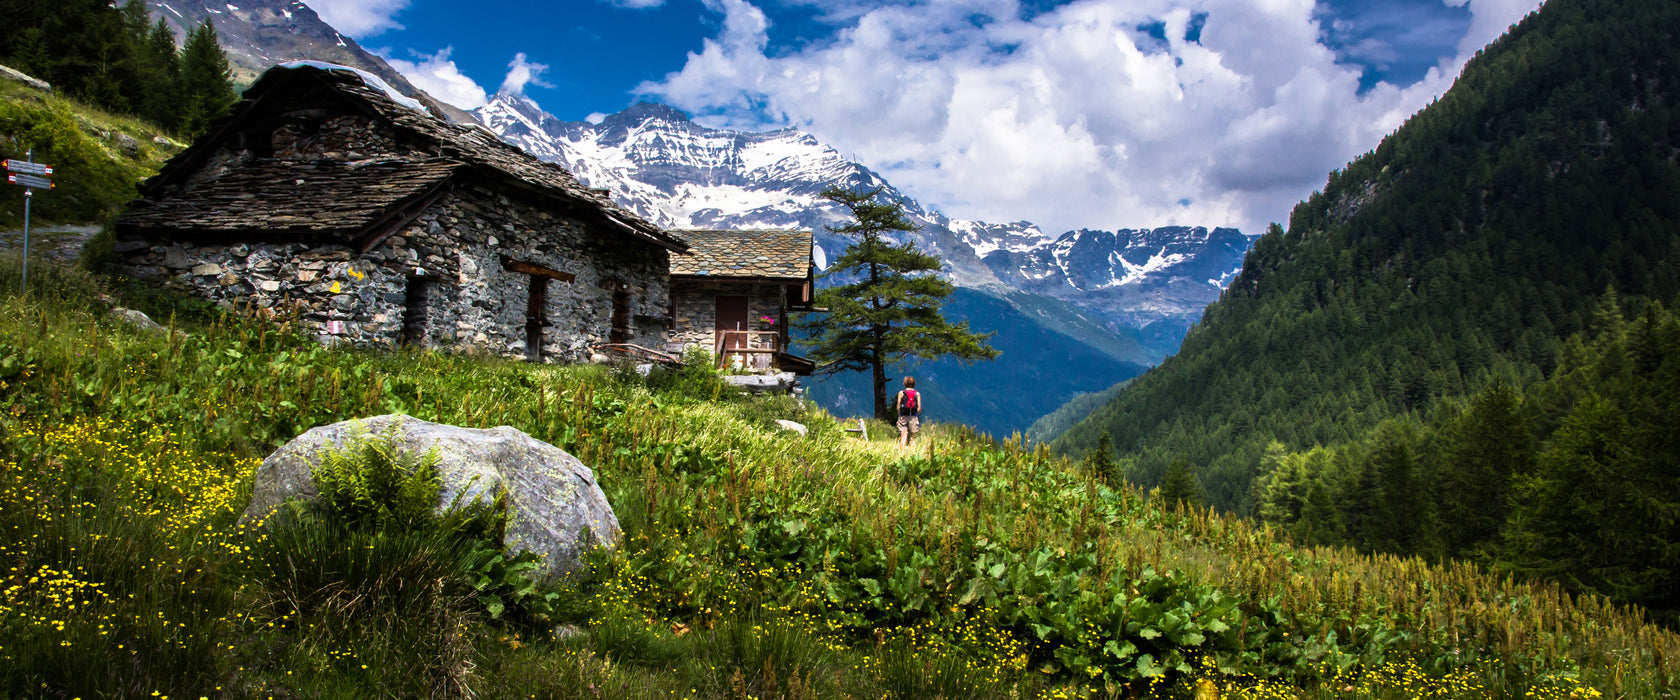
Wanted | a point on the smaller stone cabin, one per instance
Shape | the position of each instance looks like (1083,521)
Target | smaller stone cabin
(327,195)
(732,294)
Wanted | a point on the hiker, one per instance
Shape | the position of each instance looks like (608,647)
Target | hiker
(908,404)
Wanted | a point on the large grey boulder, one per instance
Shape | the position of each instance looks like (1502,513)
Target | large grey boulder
(554,505)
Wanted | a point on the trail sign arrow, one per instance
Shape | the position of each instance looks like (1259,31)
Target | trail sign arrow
(29,181)
(28,168)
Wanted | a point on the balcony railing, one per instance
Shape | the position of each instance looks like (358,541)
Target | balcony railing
(746,350)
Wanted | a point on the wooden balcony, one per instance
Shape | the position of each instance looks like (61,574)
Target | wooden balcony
(753,351)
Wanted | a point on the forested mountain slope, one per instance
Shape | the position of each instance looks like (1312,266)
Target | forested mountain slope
(1466,248)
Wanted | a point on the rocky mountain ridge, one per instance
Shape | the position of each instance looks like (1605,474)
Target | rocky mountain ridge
(1148,283)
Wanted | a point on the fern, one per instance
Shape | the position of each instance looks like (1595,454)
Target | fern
(370,484)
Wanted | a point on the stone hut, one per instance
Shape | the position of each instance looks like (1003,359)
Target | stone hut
(380,224)
(733,291)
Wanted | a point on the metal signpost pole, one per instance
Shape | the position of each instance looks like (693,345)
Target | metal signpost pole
(28,197)
(30,175)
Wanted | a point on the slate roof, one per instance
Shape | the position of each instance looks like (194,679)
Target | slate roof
(772,254)
(461,145)
(290,197)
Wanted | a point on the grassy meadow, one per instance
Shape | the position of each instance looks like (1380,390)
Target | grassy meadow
(756,563)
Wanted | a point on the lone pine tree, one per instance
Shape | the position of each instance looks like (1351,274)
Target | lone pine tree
(887,310)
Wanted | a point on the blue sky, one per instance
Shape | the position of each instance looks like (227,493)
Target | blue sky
(1069,113)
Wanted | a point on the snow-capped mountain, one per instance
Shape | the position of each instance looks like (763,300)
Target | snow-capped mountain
(1135,276)
(260,34)
(680,174)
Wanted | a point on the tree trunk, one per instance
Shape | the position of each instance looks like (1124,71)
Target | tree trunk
(879,382)
(876,361)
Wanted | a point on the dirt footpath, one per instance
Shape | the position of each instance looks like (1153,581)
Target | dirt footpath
(57,243)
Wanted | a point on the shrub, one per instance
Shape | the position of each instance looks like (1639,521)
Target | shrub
(370,485)
(696,379)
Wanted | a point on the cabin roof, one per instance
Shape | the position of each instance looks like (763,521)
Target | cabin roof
(760,254)
(292,197)
(349,194)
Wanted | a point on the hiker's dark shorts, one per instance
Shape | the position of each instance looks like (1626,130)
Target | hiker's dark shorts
(910,423)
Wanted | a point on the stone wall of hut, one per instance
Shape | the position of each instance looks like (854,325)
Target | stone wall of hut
(695,308)
(440,282)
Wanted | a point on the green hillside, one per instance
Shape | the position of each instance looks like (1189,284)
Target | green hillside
(1457,261)
(97,157)
(1051,425)
(756,562)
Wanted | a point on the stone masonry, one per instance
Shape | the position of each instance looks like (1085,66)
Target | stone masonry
(456,247)
(696,308)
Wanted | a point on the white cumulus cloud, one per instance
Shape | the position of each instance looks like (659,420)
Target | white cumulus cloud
(439,77)
(359,18)
(1076,117)
(522,72)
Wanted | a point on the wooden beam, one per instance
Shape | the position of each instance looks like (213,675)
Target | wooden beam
(535,270)
(400,216)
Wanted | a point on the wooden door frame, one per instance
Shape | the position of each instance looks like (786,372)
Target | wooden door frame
(717,315)
(536,316)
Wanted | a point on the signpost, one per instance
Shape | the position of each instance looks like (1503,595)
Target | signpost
(29,181)
(30,175)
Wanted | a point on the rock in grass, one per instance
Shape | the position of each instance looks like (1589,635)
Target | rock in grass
(554,505)
(127,145)
(790,425)
(779,383)
(138,319)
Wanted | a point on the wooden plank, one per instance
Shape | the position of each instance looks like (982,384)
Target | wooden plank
(535,270)
(400,216)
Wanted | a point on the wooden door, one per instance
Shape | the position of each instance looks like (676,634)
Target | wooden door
(620,317)
(416,307)
(732,316)
(534,318)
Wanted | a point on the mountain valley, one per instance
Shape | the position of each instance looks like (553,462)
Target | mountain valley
(1128,295)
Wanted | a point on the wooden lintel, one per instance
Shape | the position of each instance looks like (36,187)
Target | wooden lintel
(535,270)
(394,221)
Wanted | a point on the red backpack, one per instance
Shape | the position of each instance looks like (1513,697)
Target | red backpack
(912,404)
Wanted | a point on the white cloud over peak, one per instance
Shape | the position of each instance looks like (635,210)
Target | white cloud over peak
(359,18)
(439,77)
(1075,118)
(522,72)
